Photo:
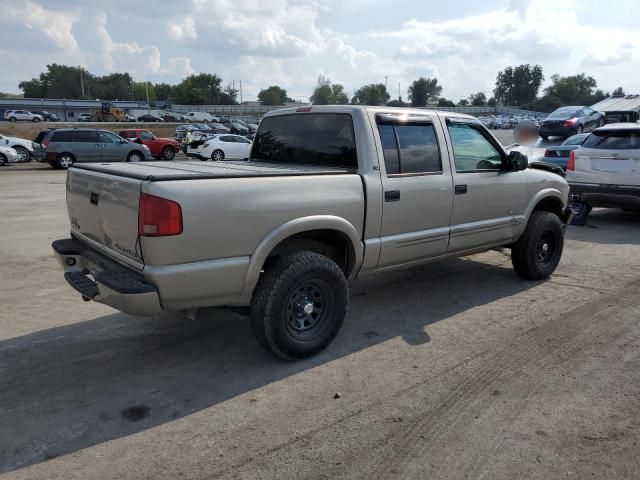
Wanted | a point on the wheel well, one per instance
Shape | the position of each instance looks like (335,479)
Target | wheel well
(66,153)
(550,204)
(330,243)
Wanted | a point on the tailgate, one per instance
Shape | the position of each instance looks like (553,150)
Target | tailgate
(607,167)
(103,209)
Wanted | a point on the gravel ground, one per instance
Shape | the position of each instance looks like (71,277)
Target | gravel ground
(452,370)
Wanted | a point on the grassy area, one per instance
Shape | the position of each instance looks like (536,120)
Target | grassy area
(30,130)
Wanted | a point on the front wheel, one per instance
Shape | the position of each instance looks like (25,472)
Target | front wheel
(217,155)
(3,160)
(299,305)
(36,119)
(537,253)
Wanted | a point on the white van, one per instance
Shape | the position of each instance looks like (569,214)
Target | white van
(200,117)
(605,170)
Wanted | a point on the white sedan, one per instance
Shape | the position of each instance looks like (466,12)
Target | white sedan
(23,147)
(8,155)
(222,147)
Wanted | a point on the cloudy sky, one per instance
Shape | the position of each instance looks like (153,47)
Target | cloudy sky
(464,43)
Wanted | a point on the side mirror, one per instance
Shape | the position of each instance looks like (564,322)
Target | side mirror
(517,161)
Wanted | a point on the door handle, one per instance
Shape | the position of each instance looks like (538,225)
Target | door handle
(392,196)
(460,189)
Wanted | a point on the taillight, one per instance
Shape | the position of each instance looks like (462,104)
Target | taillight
(158,217)
(570,123)
(571,163)
(45,143)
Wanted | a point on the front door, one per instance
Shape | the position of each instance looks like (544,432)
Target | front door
(113,147)
(417,185)
(488,201)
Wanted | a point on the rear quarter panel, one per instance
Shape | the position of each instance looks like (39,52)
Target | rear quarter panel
(228,218)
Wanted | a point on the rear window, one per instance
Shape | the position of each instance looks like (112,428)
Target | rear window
(325,139)
(562,113)
(62,136)
(40,136)
(614,140)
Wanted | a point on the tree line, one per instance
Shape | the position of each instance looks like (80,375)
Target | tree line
(517,86)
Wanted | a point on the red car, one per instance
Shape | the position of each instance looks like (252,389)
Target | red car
(161,148)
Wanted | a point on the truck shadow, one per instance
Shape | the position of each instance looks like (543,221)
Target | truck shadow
(68,388)
(608,226)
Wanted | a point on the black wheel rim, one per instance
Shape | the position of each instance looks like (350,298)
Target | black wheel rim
(308,309)
(545,249)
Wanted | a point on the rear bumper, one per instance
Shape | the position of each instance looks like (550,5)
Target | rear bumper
(557,131)
(608,196)
(99,278)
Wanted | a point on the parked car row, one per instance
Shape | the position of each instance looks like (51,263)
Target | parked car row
(506,122)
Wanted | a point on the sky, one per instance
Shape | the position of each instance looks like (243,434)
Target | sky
(464,43)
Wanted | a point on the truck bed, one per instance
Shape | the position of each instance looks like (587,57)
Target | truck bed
(165,171)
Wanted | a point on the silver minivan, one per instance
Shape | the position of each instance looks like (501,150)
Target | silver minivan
(605,170)
(66,146)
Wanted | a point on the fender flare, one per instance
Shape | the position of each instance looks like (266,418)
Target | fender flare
(541,195)
(293,227)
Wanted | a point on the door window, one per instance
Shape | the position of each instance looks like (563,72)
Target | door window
(410,148)
(472,150)
(146,135)
(108,137)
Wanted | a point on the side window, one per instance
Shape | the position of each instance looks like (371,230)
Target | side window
(411,148)
(472,151)
(146,135)
(64,136)
(108,137)
(242,140)
(226,139)
(85,136)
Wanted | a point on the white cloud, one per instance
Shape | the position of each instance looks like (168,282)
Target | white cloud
(55,25)
(179,66)
(183,28)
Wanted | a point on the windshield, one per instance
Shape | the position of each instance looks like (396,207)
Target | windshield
(575,139)
(308,139)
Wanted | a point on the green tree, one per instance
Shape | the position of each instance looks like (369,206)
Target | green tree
(10,95)
(618,92)
(463,102)
(200,89)
(397,103)
(478,99)
(443,102)
(164,91)
(572,90)
(61,81)
(491,102)
(113,86)
(326,93)
(229,96)
(372,94)
(140,90)
(274,95)
(423,91)
(518,85)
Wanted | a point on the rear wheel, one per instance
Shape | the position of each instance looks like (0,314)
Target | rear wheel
(299,305)
(135,157)
(537,253)
(64,161)
(168,153)
(217,155)
(23,153)
(3,160)
(12,119)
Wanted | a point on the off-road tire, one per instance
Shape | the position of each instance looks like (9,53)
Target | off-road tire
(530,259)
(273,316)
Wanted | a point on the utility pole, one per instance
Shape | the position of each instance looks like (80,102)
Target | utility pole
(146,87)
(385,81)
(399,91)
(240,91)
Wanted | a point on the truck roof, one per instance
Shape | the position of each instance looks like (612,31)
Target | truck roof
(356,108)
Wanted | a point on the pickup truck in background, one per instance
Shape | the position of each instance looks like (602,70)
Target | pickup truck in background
(330,193)
(160,148)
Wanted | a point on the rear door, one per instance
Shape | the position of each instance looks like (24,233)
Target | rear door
(86,147)
(103,209)
(417,189)
(113,147)
(609,157)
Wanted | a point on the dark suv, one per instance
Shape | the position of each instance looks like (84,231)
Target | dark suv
(567,121)
(63,147)
(48,116)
